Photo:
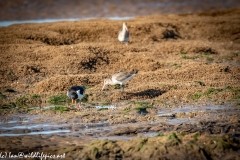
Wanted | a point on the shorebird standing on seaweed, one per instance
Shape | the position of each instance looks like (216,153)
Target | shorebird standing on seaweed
(76,92)
(119,78)
(123,35)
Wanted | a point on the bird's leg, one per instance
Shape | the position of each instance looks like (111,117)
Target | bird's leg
(122,89)
(76,105)
(79,105)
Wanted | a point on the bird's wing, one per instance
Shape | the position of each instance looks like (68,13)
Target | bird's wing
(76,88)
(123,34)
(121,76)
(126,35)
(82,90)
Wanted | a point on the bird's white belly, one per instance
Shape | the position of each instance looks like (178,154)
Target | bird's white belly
(116,82)
(122,37)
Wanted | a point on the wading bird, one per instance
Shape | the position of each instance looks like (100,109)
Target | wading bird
(76,92)
(119,78)
(123,35)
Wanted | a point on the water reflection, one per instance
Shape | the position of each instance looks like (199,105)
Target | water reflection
(8,23)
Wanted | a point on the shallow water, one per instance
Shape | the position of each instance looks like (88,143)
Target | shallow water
(114,10)
(52,106)
(8,23)
(168,112)
(107,107)
(34,133)
(106,8)
(170,115)
(25,124)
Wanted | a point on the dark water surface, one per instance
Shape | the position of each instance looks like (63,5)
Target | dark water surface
(18,11)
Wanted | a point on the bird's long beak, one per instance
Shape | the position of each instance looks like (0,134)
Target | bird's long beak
(73,101)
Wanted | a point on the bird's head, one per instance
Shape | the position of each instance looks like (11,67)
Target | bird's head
(106,82)
(125,26)
(73,96)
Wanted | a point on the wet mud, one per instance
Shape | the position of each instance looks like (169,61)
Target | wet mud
(195,132)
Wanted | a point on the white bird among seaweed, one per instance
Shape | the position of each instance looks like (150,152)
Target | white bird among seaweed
(119,78)
(123,35)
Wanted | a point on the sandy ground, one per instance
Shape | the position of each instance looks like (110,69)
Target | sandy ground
(187,59)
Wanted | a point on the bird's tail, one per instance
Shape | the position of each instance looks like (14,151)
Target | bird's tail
(134,72)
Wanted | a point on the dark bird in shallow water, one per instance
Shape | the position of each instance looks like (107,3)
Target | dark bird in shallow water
(76,92)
